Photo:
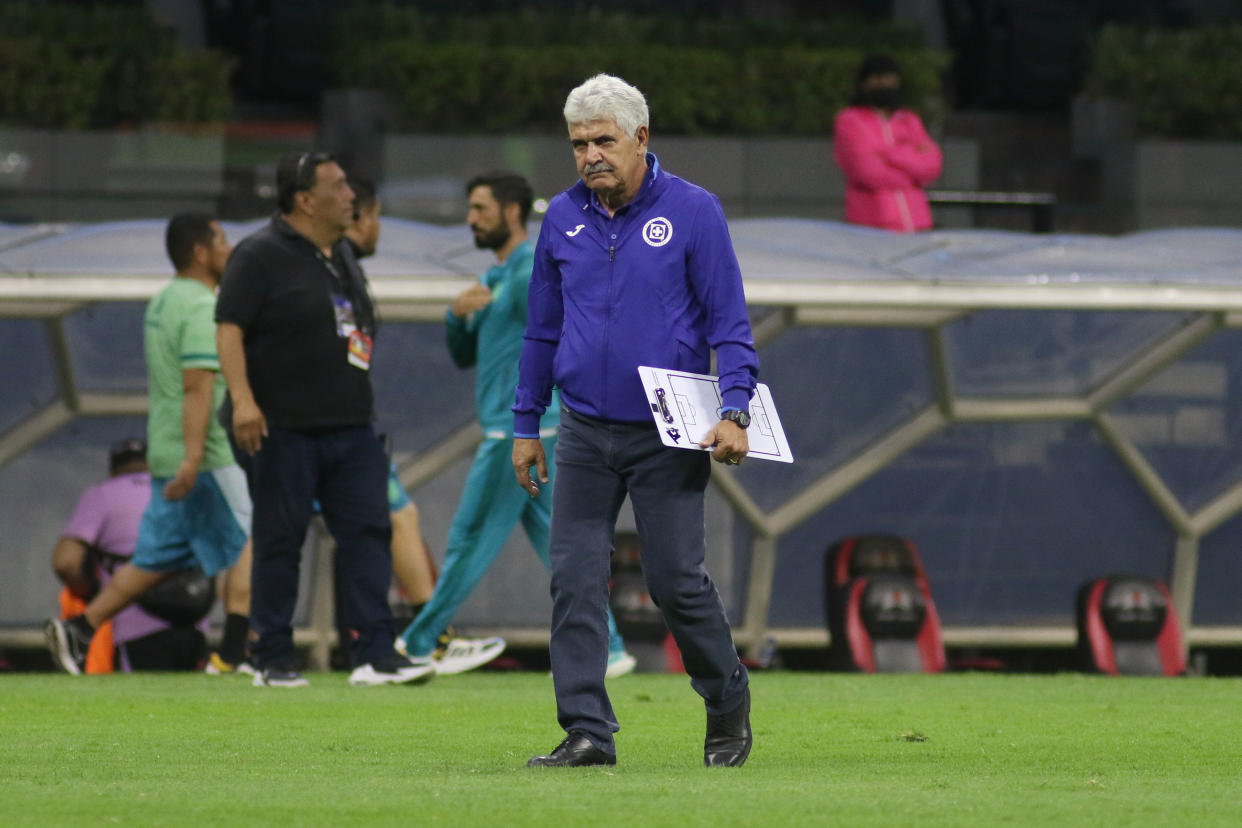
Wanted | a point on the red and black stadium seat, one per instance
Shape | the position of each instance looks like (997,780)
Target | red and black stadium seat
(881,617)
(1127,626)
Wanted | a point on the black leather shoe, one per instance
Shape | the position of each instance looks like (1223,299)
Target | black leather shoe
(728,737)
(575,752)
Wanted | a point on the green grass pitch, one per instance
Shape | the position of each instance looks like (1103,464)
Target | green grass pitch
(830,749)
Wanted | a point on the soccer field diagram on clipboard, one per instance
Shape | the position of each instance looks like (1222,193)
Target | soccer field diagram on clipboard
(685,406)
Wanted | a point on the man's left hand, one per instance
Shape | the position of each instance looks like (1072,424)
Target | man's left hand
(730,443)
(182,482)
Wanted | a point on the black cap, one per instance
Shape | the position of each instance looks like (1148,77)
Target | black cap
(123,451)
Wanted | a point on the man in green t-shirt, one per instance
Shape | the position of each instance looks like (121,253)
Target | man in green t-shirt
(199,513)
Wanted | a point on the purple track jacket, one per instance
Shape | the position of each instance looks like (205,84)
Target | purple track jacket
(657,284)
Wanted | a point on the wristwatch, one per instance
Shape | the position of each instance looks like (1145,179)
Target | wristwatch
(741,418)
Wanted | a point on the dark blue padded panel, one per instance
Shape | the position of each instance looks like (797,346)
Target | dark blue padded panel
(421,397)
(1029,353)
(1187,420)
(105,347)
(27,371)
(1220,576)
(838,390)
(1008,518)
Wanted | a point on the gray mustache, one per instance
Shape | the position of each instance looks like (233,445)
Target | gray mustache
(598,167)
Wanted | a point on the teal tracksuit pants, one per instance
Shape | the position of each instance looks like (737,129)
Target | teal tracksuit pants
(491,505)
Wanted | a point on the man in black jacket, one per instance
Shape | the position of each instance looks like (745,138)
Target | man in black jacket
(296,326)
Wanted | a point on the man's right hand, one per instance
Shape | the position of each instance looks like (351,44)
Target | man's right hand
(528,452)
(183,481)
(249,425)
(471,299)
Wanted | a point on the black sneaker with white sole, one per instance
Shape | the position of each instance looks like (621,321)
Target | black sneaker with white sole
(393,669)
(69,641)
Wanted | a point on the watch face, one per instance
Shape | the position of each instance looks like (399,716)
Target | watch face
(739,417)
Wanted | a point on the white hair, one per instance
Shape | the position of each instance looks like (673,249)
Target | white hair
(607,98)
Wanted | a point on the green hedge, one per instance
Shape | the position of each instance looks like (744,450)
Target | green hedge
(74,67)
(1182,84)
(717,77)
(360,28)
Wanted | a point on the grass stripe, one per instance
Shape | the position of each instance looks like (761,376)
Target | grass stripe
(830,749)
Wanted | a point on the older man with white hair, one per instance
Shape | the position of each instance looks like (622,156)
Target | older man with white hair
(634,266)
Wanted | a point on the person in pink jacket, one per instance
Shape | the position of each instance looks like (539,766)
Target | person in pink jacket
(885,153)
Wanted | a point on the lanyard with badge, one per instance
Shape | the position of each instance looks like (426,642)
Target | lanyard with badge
(359,349)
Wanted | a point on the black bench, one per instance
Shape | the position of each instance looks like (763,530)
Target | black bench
(1042,206)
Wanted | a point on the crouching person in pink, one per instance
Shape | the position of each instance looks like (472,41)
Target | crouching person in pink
(101,535)
(885,153)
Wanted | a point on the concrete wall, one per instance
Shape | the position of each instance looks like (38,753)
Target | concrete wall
(1188,184)
(1158,183)
(424,175)
(50,175)
(88,175)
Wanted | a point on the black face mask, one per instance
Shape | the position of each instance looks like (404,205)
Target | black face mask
(880,98)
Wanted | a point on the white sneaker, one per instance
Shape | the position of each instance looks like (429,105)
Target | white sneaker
(279,677)
(620,663)
(396,669)
(462,654)
(217,666)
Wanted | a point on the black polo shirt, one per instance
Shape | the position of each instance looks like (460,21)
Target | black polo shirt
(289,301)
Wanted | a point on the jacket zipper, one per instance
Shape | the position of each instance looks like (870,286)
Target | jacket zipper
(612,257)
(907,219)
(903,206)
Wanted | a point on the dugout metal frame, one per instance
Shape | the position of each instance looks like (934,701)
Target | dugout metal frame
(791,303)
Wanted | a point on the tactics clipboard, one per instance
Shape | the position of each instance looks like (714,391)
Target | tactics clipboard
(685,406)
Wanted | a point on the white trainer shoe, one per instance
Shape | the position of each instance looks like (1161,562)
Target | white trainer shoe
(462,654)
(279,677)
(217,666)
(620,663)
(396,669)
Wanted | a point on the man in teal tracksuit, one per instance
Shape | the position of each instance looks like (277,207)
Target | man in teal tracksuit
(484,329)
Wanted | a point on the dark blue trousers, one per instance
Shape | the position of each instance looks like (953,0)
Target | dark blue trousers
(346,469)
(598,463)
